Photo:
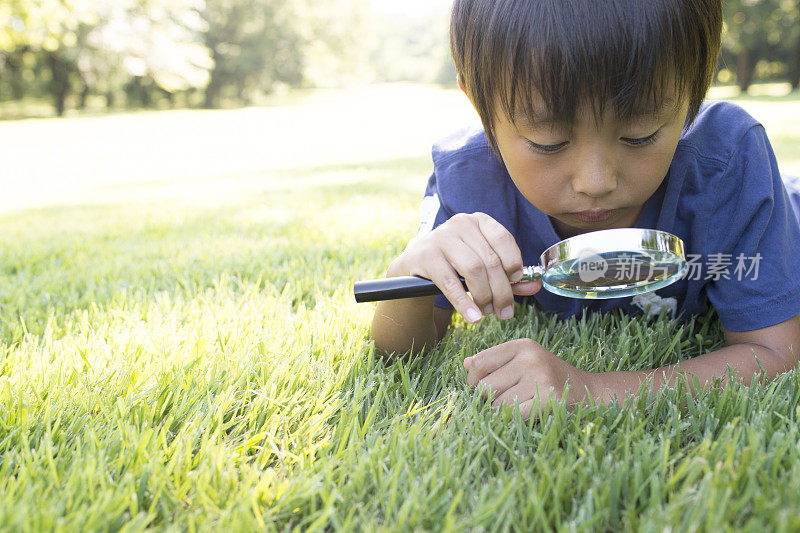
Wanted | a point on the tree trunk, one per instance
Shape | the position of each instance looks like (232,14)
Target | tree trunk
(59,83)
(84,93)
(243,91)
(16,67)
(212,94)
(745,65)
(214,86)
(138,93)
(216,77)
(794,67)
(170,97)
(145,92)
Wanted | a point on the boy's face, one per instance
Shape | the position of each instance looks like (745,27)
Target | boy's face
(590,175)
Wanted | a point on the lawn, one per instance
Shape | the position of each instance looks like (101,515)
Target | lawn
(180,349)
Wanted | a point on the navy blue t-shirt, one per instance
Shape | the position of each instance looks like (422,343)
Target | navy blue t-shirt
(723,195)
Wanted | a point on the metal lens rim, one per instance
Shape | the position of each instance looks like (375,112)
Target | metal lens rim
(630,240)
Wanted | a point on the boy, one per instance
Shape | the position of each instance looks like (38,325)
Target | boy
(593,118)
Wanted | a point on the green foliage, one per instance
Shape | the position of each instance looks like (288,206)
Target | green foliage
(100,46)
(46,24)
(413,49)
(251,43)
(146,51)
(762,40)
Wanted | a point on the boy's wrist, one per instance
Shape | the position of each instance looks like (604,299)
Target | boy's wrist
(605,387)
(595,385)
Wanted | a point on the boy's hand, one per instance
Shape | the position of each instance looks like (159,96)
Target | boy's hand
(481,250)
(516,370)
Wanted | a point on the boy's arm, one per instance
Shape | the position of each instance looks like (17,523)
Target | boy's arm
(776,348)
(408,325)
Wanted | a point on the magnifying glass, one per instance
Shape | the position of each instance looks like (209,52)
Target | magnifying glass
(610,263)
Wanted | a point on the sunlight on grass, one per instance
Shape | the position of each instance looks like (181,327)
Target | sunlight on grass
(85,159)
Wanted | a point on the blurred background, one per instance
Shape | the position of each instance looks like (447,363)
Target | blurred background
(185,89)
(60,56)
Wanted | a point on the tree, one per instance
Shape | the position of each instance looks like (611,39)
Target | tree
(250,42)
(144,46)
(792,21)
(412,48)
(99,45)
(336,38)
(258,44)
(46,27)
(757,30)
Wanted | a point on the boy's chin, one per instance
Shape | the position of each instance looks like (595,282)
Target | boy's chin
(570,228)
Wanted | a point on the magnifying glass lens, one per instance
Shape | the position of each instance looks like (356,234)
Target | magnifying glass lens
(614,274)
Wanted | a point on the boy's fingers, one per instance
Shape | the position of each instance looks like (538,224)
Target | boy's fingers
(499,381)
(468,264)
(499,287)
(512,394)
(488,361)
(446,278)
(503,297)
(526,288)
(485,254)
(535,407)
(502,243)
(526,407)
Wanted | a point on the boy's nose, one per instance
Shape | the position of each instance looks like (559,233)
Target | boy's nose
(594,176)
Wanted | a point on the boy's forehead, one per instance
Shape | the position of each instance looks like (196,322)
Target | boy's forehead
(536,112)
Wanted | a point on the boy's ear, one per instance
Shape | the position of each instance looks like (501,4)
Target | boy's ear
(461,84)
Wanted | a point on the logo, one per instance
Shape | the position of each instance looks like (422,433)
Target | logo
(590,265)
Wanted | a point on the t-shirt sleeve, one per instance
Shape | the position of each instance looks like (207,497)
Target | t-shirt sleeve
(754,254)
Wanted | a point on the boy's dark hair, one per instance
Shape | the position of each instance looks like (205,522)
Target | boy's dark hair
(630,54)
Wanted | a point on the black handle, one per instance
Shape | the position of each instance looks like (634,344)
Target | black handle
(376,290)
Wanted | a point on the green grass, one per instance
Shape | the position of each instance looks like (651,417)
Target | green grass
(180,364)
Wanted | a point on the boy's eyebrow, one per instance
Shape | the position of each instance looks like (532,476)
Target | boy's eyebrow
(538,117)
(667,104)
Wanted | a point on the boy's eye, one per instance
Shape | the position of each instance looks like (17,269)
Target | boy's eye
(641,141)
(546,148)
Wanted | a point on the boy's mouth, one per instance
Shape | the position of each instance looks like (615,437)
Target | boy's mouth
(594,215)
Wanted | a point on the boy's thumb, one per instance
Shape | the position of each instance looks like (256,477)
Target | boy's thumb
(526,288)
